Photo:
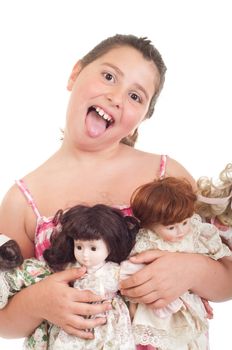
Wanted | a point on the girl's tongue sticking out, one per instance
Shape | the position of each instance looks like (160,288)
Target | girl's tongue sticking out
(97,121)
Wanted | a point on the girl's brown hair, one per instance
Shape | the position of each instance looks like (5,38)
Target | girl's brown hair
(164,201)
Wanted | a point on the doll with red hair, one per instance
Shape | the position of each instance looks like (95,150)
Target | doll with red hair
(166,211)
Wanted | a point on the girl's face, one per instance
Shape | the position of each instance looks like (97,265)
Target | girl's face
(90,253)
(110,97)
(175,232)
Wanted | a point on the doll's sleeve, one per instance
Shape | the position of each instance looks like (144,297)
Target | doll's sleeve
(226,236)
(127,269)
(210,243)
(12,281)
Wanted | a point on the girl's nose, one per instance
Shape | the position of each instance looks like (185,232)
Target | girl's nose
(115,96)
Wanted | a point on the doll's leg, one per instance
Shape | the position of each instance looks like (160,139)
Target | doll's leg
(145,347)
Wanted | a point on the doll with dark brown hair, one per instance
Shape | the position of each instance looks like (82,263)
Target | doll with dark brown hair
(99,238)
(10,257)
(165,209)
(10,254)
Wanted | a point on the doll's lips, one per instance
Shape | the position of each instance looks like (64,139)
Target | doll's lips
(102,114)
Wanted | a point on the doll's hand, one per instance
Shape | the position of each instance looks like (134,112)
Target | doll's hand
(165,277)
(68,307)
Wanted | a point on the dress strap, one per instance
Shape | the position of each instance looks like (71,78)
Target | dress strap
(23,187)
(163,163)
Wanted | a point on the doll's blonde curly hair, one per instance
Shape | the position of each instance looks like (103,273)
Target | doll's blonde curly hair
(215,197)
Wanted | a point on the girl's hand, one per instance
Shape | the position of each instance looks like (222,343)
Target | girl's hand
(68,307)
(165,277)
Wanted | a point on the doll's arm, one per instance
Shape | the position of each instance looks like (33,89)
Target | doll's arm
(170,309)
(210,242)
(12,281)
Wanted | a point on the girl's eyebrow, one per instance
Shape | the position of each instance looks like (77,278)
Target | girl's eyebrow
(118,70)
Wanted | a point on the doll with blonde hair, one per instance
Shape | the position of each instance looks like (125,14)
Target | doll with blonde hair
(165,209)
(215,202)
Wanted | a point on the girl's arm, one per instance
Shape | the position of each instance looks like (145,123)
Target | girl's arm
(54,300)
(51,299)
(169,275)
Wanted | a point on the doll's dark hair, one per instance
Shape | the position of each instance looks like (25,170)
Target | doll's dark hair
(149,52)
(91,223)
(164,201)
(10,255)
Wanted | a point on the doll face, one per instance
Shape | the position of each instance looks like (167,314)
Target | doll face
(90,253)
(110,97)
(175,232)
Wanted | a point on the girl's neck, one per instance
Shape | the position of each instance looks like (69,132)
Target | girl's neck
(85,154)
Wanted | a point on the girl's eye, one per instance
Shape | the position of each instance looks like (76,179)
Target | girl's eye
(135,97)
(185,223)
(93,249)
(171,228)
(108,76)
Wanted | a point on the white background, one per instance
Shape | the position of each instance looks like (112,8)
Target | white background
(40,42)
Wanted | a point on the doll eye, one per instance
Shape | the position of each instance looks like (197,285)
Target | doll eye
(78,247)
(93,249)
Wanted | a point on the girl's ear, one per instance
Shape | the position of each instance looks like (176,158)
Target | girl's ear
(75,71)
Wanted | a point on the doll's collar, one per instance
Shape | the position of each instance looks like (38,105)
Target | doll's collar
(4,239)
(95,268)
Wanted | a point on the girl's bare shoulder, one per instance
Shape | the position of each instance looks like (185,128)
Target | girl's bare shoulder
(153,161)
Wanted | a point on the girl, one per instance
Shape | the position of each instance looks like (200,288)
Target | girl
(113,89)
(165,209)
(99,238)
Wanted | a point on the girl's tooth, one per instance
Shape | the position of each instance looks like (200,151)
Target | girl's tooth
(104,115)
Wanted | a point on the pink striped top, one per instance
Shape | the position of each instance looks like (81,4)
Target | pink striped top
(45,225)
